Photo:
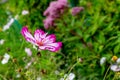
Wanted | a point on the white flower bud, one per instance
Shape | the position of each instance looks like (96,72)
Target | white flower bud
(2,41)
(5,59)
(102,60)
(28,51)
(118,61)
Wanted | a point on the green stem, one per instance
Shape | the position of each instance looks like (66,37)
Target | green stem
(22,45)
(71,70)
(3,77)
(114,77)
(106,73)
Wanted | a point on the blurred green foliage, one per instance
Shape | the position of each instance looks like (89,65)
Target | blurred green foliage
(92,34)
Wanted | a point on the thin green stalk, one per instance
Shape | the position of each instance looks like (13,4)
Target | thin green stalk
(22,45)
(114,77)
(106,73)
(3,77)
(71,69)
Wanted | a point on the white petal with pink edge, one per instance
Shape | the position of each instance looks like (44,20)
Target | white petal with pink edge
(52,47)
(49,39)
(27,35)
(39,34)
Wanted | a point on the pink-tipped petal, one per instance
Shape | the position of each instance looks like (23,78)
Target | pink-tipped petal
(39,34)
(52,46)
(59,45)
(27,35)
(49,39)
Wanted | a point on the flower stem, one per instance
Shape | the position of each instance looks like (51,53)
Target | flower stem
(3,77)
(71,69)
(106,73)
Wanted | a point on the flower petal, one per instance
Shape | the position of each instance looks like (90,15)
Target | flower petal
(27,35)
(39,35)
(49,39)
(115,67)
(52,46)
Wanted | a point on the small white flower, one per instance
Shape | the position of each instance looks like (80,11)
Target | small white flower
(71,76)
(7,26)
(115,67)
(18,75)
(28,51)
(5,59)
(57,72)
(2,41)
(118,61)
(25,12)
(102,60)
(38,78)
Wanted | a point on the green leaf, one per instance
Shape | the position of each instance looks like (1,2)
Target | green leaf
(116,49)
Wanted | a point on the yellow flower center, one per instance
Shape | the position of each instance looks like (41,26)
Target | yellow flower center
(114,58)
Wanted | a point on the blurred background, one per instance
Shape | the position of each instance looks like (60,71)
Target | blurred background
(89,37)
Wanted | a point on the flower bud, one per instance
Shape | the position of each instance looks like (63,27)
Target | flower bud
(114,58)
(102,60)
(118,61)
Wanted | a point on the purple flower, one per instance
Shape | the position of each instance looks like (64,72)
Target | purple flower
(63,3)
(48,22)
(76,10)
(55,9)
(52,10)
(42,40)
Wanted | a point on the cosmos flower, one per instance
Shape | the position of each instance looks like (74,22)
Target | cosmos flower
(6,58)
(42,40)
